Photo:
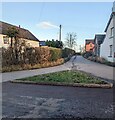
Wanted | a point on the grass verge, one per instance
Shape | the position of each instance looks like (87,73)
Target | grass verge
(72,78)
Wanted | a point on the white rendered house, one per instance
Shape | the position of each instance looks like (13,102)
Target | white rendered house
(107,50)
(25,35)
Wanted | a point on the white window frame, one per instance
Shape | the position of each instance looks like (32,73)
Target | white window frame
(112,29)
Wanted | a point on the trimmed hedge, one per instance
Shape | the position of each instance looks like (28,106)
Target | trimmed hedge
(67,53)
(55,54)
(32,58)
(30,67)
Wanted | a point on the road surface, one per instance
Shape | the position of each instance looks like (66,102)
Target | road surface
(43,101)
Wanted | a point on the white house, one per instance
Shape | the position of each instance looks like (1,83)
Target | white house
(107,49)
(24,35)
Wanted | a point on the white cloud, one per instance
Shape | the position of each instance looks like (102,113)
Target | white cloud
(46,25)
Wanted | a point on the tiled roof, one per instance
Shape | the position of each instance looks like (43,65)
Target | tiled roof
(23,33)
(100,38)
(87,41)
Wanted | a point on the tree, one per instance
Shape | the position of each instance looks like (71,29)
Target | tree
(59,44)
(12,32)
(53,43)
(71,40)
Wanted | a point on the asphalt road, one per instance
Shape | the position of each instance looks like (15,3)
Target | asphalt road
(40,101)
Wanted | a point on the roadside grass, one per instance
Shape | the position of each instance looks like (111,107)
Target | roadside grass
(68,76)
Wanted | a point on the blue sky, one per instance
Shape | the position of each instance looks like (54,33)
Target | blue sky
(42,19)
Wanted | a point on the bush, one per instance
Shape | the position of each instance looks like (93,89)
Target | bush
(87,54)
(101,60)
(29,66)
(67,53)
(31,58)
(7,57)
(78,53)
(55,53)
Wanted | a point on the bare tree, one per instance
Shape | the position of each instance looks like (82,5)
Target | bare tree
(71,40)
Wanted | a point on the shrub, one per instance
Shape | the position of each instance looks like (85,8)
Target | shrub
(78,53)
(31,58)
(42,55)
(7,57)
(87,54)
(29,66)
(101,60)
(55,53)
(67,53)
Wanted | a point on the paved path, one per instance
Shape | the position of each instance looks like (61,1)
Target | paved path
(40,101)
(80,63)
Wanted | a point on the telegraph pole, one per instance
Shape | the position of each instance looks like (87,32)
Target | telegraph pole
(60,27)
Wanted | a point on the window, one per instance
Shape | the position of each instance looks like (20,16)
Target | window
(110,50)
(112,31)
(6,40)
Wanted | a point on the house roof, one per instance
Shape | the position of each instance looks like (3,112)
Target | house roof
(23,33)
(42,43)
(100,38)
(87,41)
(113,13)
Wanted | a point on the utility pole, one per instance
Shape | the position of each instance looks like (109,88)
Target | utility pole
(60,27)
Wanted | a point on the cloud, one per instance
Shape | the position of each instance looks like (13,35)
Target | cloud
(47,25)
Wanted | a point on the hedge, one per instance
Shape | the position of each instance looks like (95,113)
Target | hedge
(67,52)
(55,54)
(31,58)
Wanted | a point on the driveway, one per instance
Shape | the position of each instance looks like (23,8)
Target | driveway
(40,101)
(80,63)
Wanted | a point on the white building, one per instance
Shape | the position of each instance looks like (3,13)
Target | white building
(24,35)
(107,50)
